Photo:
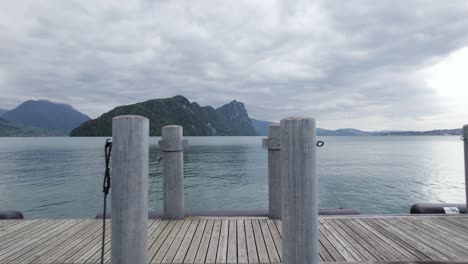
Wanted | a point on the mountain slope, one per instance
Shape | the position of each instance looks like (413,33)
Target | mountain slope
(46,115)
(2,111)
(229,120)
(8,129)
(237,114)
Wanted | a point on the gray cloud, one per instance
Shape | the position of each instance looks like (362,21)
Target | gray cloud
(348,63)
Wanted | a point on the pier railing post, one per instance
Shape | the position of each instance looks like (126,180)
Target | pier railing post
(129,189)
(173,171)
(299,191)
(274,171)
(465,146)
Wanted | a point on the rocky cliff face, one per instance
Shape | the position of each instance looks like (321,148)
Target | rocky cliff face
(229,120)
(237,114)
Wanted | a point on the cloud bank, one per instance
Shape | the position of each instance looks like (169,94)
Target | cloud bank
(364,64)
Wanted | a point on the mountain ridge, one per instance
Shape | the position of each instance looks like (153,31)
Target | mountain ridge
(228,120)
(262,130)
(44,114)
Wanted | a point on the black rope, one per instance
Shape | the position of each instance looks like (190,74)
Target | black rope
(105,189)
(320,143)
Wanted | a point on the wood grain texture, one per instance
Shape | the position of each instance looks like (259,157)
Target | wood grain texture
(409,239)
(173,172)
(274,171)
(130,150)
(299,211)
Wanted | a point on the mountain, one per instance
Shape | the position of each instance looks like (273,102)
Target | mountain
(342,132)
(439,132)
(7,129)
(261,127)
(355,132)
(46,115)
(237,115)
(2,111)
(229,120)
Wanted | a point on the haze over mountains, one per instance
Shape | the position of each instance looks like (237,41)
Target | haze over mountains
(45,118)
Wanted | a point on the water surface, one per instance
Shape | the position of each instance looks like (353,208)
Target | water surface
(62,177)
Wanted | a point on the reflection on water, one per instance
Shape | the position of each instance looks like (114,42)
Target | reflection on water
(62,177)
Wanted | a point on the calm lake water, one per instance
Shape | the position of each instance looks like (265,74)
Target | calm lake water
(62,177)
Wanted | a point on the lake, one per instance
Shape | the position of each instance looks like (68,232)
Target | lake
(62,177)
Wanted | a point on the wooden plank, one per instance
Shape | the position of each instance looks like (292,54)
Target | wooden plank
(154,248)
(409,240)
(188,238)
(204,242)
(83,249)
(54,242)
(260,242)
(172,250)
(20,232)
(241,242)
(232,242)
(29,243)
(195,243)
(443,242)
(279,225)
(337,237)
(221,255)
(420,238)
(452,224)
(323,253)
(71,242)
(395,241)
(18,229)
(213,247)
(450,233)
(359,243)
(93,253)
(355,242)
(251,246)
(270,244)
(276,238)
(326,240)
(387,250)
(158,258)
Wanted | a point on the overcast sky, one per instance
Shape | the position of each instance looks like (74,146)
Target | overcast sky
(365,64)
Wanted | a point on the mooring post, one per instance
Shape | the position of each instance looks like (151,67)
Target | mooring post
(465,146)
(173,171)
(274,171)
(299,191)
(130,135)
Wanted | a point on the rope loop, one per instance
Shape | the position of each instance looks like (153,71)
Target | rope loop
(105,189)
(107,154)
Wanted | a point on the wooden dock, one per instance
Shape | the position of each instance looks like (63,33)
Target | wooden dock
(358,239)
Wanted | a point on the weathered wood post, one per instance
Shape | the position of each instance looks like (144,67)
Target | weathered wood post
(465,146)
(130,135)
(299,191)
(274,171)
(173,171)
